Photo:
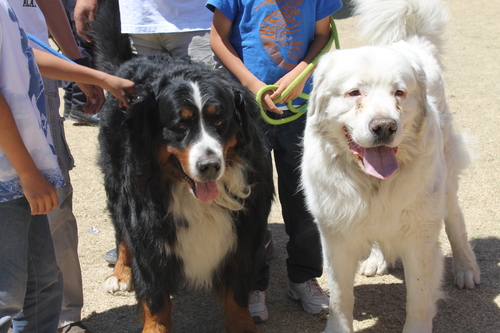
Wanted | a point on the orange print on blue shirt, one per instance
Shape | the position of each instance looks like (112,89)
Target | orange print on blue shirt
(280,33)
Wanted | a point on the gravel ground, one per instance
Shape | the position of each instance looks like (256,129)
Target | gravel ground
(472,72)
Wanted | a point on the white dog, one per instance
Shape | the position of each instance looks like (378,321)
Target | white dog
(381,160)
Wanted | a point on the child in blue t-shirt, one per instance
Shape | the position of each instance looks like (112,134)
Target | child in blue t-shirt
(30,282)
(270,42)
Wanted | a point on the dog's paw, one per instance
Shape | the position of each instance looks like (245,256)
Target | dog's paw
(113,284)
(466,272)
(375,264)
(371,267)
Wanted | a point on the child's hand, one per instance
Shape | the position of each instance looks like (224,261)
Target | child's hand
(95,97)
(122,89)
(284,83)
(266,101)
(84,14)
(41,195)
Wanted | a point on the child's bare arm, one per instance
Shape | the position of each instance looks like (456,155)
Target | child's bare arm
(321,37)
(219,41)
(40,194)
(59,27)
(57,68)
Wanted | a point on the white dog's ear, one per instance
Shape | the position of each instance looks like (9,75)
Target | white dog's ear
(317,98)
(421,78)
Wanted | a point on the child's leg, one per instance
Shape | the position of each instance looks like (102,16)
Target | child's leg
(304,246)
(195,44)
(14,226)
(62,221)
(42,279)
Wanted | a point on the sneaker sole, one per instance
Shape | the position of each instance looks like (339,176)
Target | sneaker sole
(259,320)
(110,261)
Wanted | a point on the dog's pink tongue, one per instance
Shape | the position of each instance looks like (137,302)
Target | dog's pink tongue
(207,191)
(380,161)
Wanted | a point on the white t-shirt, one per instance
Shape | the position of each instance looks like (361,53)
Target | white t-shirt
(31,17)
(163,16)
(21,85)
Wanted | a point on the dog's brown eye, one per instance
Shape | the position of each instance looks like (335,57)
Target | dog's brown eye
(399,93)
(354,93)
(218,123)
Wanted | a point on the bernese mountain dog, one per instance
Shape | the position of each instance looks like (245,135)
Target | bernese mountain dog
(187,178)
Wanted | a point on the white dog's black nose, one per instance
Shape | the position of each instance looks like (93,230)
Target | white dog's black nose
(383,129)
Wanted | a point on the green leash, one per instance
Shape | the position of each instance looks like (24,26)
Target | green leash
(302,109)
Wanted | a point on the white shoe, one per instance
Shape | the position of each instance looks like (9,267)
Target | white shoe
(257,307)
(312,298)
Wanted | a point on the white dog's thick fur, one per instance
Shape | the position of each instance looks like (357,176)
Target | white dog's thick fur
(381,161)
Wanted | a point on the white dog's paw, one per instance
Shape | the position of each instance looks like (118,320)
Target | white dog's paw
(113,284)
(371,267)
(466,272)
(375,264)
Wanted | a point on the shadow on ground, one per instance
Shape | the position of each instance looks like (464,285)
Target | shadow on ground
(379,306)
(461,311)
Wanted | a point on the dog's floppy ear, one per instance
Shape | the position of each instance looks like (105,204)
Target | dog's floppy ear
(247,114)
(421,78)
(317,98)
(141,122)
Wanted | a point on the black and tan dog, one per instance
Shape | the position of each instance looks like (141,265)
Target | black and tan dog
(188,184)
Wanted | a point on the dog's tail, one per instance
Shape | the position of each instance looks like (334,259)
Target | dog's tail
(389,21)
(111,47)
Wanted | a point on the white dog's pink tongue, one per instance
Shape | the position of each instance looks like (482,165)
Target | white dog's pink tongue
(207,191)
(380,161)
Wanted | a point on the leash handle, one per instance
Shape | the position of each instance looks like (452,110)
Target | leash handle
(303,108)
(298,111)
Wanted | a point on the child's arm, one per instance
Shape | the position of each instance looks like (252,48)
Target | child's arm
(40,194)
(321,37)
(57,68)
(85,11)
(219,41)
(58,25)
(60,29)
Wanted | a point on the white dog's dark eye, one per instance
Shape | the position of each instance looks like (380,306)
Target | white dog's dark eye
(354,93)
(399,93)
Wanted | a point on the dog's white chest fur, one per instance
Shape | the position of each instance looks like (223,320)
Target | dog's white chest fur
(210,234)
(208,238)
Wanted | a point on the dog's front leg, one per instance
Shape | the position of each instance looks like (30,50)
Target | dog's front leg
(160,322)
(121,279)
(465,268)
(341,260)
(423,267)
(237,318)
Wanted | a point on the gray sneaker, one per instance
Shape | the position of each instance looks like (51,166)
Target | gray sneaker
(312,298)
(257,307)
(111,256)
(81,118)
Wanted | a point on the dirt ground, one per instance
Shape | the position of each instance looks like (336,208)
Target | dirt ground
(473,92)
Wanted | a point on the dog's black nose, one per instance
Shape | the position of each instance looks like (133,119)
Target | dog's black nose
(209,168)
(383,128)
